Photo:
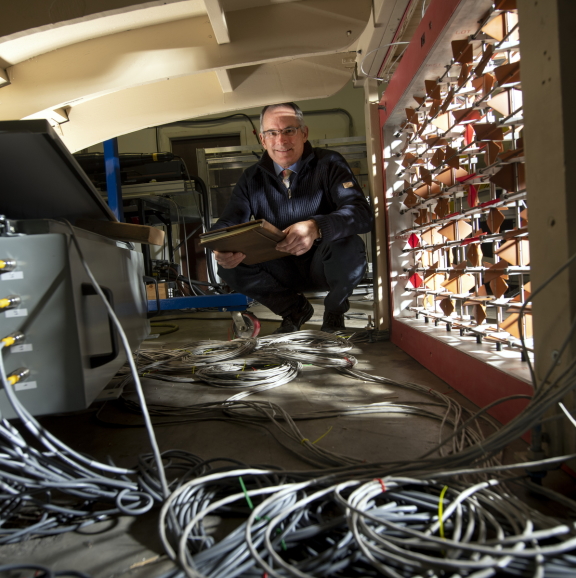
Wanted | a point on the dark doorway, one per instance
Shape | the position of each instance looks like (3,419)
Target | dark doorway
(186,149)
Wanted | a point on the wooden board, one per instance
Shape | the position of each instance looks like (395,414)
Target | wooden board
(124,231)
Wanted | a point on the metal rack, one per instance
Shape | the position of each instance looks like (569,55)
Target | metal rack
(452,123)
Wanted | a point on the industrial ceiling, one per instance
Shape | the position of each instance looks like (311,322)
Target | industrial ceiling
(99,69)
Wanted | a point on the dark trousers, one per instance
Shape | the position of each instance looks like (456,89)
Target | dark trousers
(335,267)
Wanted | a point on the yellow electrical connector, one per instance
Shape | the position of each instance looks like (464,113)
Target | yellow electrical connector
(13,338)
(18,375)
(10,301)
(7,265)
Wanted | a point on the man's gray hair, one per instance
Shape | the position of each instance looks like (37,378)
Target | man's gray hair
(297,112)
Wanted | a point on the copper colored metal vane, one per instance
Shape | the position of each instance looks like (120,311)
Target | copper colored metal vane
(456,230)
(496,28)
(466,115)
(452,159)
(494,220)
(447,306)
(474,255)
(462,51)
(488,131)
(508,73)
(464,74)
(432,89)
(510,324)
(495,271)
(515,251)
(438,158)
(499,287)
(442,208)
(432,237)
(493,149)
(488,52)
(411,200)
(511,177)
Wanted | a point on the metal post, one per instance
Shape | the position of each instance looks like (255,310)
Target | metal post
(380,254)
(112,166)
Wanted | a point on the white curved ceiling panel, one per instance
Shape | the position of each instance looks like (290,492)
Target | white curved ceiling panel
(103,65)
(102,74)
(198,95)
(25,44)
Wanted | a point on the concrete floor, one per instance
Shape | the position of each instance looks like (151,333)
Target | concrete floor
(129,546)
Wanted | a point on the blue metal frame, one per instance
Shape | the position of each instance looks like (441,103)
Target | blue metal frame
(113,184)
(228,302)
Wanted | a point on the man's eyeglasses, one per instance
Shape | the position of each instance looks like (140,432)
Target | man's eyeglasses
(290,131)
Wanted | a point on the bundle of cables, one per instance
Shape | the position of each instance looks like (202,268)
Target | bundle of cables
(338,521)
(434,526)
(313,347)
(43,482)
(252,374)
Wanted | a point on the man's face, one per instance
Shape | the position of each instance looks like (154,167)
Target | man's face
(283,149)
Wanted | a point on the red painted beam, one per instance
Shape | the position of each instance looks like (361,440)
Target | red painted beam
(480,382)
(435,19)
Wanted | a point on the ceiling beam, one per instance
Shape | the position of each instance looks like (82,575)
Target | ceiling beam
(224,80)
(164,52)
(136,108)
(218,21)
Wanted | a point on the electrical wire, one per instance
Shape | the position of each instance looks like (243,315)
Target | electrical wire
(220,119)
(391,526)
(443,515)
(171,328)
(375,50)
(250,117)
(126,345)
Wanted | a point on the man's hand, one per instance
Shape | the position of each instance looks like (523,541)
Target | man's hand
(299,237)
(228,260)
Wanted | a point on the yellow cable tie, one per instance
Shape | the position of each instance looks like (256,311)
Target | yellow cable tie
(441,511)
(324,434)
(12,379)
(5,303)
(304,440)
(8,341)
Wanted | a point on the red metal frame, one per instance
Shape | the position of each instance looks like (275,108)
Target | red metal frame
(478,381)
(435,19)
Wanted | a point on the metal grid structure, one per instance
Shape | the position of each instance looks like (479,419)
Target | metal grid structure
(456,187)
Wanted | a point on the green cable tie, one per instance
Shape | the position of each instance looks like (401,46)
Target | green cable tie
(246,493)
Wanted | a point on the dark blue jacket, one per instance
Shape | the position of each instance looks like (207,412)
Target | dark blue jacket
(324,190)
